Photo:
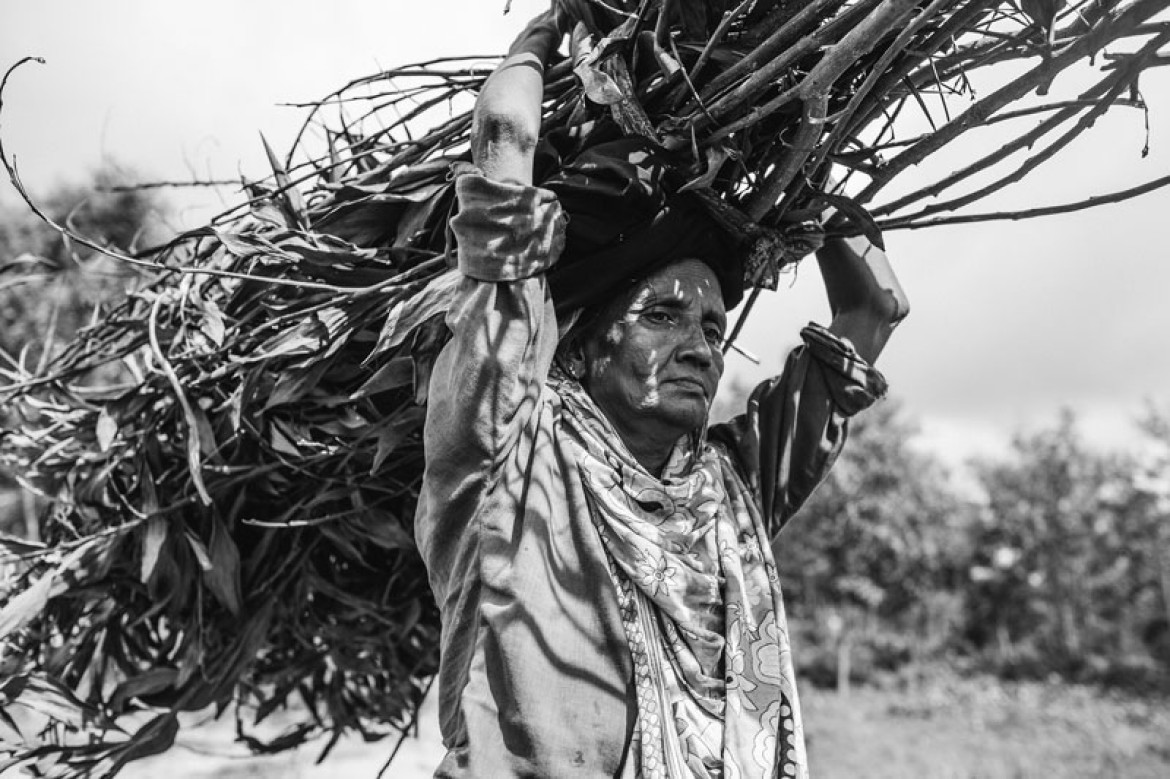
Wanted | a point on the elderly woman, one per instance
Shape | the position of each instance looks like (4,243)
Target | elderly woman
(602,560)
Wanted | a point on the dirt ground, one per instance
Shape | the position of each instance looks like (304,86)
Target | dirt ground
(941,728)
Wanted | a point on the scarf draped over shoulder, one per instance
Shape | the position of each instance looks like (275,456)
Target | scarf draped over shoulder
(700,602)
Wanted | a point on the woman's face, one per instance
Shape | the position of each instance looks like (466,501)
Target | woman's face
(654,361)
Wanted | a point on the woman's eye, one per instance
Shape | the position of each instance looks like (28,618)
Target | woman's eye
(658,317)
(713,334)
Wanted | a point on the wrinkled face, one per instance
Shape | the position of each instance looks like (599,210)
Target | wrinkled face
(654,361)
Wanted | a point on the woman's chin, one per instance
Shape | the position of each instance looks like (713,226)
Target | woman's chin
(684,414)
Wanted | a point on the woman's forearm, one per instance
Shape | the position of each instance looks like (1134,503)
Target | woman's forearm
(506,123)
(865,296)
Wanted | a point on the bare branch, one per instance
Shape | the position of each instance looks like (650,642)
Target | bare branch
(1080,205)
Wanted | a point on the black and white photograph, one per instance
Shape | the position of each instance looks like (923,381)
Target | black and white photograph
(646,389)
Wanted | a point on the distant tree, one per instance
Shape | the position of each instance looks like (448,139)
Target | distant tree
(1152,485)
(51,288)
(1066,568)
(871,565)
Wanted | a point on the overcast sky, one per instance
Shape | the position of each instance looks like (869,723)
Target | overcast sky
(1010,321)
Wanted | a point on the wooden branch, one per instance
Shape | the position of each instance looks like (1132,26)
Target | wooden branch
(978,114)
(145,185)
(1102,96)
(782,39)
(841,121)
(889,80)
(812,125)
(814,92)
(725,23)
(1028,165)
(1080,205)
(880,146)
(767,75)
(838,58)
(1090,99)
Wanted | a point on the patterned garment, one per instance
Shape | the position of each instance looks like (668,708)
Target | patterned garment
(539,647)
(700,602)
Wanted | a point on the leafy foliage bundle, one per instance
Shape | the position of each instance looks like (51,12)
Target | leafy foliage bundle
(232,523)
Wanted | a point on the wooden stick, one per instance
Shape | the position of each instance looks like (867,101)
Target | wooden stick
(977,115)
(1088,118)
(814,92)
(1080,205)
(1097,98)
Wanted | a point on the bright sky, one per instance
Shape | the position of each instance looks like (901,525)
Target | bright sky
(1010,320)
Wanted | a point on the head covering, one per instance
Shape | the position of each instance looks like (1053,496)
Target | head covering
(626,220)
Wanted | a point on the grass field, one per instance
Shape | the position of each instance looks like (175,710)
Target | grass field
(942,727)
(963,729)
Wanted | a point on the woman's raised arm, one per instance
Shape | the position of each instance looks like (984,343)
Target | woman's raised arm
(797,423)
(506,123)
(508,233)
(864,294)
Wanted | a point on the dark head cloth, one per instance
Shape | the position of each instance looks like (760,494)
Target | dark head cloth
(625,222)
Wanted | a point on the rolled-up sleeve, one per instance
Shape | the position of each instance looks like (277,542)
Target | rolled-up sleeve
(506,232)
(796,423)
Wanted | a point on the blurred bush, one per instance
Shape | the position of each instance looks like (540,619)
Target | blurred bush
(1056,564)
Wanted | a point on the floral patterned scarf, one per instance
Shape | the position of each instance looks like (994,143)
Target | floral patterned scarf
(700,602)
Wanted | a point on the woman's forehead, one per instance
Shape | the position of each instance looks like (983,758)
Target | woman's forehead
(682,280)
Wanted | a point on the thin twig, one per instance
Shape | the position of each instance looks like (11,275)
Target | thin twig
(194,461)
(1080,205)
(976,115)
(413,721)
(729,18)
(1102,96)
(145,185)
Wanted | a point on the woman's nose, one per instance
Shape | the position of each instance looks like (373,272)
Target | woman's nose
(696,348)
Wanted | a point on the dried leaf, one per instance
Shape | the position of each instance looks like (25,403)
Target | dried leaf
(291,200)
(153,538)
(406,316)
(152,681)
(55,701)
(212,324)
(107,428)
(201,554)
(26,605)
(282,440)
(598,86)
(19,546)
(399,372)
(394,432)
(207,444)
(153,738)
(384,530)
(292,386)
(146,486)
(223,577)
(715,156)
(10,732)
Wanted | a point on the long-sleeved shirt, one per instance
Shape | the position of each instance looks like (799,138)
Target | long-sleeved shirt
(535,672)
